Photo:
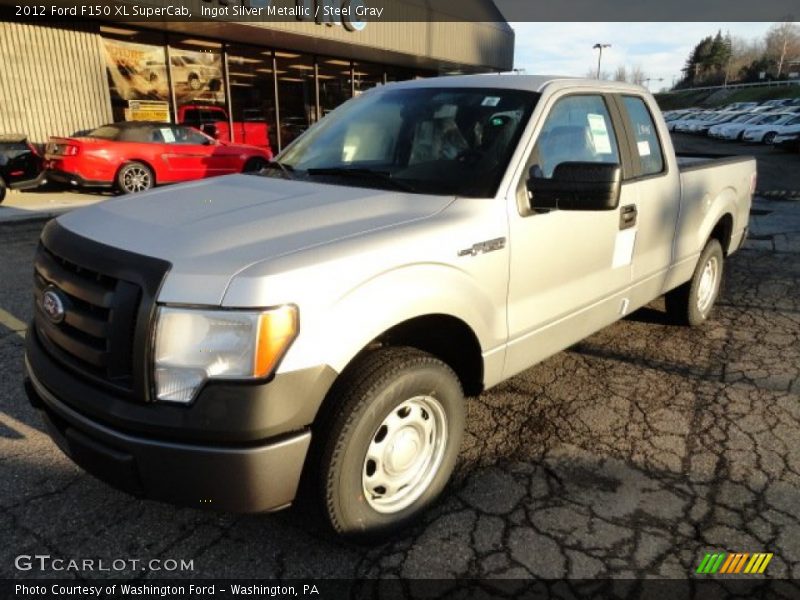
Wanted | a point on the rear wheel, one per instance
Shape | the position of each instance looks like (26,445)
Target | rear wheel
(769,137)
(135,177)
(691,303)
(392,441)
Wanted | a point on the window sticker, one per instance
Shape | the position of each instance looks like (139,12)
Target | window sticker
(491,101)
(599,131)
(644,148)
(623,248)
(166,133)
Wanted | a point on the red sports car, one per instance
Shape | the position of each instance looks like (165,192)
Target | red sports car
(135,156)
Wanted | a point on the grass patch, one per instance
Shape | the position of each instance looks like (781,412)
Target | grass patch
(721,97)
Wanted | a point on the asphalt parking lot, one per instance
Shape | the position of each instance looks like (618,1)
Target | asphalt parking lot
(629,455)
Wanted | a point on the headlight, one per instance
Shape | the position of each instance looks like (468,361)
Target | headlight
(193,346)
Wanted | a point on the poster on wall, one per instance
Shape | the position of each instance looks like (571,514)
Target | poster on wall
(136,71)
(197,77)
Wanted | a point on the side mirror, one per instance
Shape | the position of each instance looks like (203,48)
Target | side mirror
(576,186)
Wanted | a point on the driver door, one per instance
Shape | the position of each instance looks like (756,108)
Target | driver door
(569,269)
(193,155)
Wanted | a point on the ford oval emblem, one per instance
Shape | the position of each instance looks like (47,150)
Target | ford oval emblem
(53,305)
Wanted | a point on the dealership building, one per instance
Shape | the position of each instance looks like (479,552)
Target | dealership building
(59,78)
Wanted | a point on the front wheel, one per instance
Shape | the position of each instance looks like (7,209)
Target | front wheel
(392,442)
(770,137)
(135,177)
(691,303)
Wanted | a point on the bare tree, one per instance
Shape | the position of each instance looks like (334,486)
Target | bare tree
(637,75)
(621,74)
(783,44)
(592,74)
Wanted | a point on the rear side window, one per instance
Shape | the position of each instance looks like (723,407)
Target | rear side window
(107,132)
(648,147)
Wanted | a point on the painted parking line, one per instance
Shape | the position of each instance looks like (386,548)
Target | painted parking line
(13,323)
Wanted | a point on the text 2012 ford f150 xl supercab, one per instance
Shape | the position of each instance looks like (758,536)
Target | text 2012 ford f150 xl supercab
(317,326)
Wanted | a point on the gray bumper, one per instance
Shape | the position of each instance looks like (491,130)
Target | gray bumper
(246,479)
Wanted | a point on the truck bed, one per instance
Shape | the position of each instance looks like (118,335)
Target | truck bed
(690,160)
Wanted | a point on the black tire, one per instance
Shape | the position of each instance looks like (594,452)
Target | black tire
(684,304)
(387,386)
(254,165)
(134,177)
(2,190)
(769,137)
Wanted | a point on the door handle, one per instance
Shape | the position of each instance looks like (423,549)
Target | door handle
(627,216)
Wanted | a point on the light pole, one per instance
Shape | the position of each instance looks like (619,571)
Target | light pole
(649,79)
(599,46)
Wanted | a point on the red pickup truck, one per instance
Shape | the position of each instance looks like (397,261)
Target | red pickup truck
(213,120)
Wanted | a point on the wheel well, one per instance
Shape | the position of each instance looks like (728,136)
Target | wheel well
(138,160)
(445,337)
(723,231)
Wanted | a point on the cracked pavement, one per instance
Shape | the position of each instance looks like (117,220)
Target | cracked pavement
(629,455)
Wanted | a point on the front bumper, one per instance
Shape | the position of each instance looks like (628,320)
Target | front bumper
(245,479)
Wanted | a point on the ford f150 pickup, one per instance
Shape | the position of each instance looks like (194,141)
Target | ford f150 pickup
(314,329)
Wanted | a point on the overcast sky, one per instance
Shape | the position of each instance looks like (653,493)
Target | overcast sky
(660,49)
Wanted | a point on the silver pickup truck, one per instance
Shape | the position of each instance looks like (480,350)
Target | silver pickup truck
(317,326)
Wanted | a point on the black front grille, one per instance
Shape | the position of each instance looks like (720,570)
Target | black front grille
(96,335)
(109,296)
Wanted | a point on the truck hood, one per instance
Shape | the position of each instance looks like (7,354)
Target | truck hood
(211,229)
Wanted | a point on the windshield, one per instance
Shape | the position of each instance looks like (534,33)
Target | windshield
(451,141)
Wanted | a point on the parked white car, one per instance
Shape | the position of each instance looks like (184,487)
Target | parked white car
(702,126)
(684,123)
(765,132)
(735,131)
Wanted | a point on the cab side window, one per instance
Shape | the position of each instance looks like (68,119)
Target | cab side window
(577,129)
(648,147)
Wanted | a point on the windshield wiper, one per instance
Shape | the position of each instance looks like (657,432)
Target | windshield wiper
(285,169)
(383,176)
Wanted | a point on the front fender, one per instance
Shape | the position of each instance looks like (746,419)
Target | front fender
(335,335)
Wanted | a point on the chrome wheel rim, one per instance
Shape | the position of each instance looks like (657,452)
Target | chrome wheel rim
(136,179)
(404,454)
(707,288)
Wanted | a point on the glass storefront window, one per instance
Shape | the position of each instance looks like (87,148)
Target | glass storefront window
(252,96)
(403,74)
(198,85)
(366,76)
(233,92)
(136,68)
(296,94)
(334,83)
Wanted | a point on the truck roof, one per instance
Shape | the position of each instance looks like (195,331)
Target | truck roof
(534,83)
